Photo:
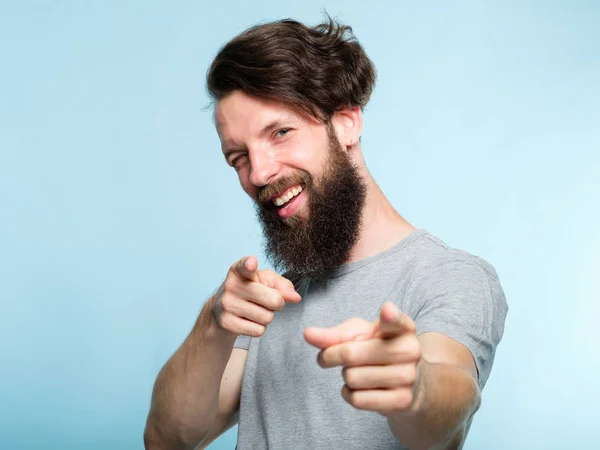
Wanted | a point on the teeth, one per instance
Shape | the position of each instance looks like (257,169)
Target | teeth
(279,201)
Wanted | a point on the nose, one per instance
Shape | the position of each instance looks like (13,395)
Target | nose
(263,167)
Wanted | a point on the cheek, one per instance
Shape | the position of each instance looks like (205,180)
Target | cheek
(308,156)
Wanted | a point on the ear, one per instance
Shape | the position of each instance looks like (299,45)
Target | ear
(347,123)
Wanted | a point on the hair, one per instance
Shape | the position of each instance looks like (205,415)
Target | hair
(317,70)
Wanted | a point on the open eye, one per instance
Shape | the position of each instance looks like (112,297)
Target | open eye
(282,132)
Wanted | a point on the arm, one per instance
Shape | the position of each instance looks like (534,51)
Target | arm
(229,398)
(196,394)
(446,397)
(426,385)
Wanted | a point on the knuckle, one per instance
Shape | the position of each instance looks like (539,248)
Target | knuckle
(268,317)
(279,303)
(349,395)
(405,375)
(349,355)
(229,283)
(225,320)
(411,325)
(250,331)
(404,349)
(274,301)
(403,398)
(358,401)
(349,377)
(411,375)
(262,296)
(397,351)
(225,303)
(267,277)
(415,349)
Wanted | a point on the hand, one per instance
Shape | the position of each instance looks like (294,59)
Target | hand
(248,298)
(380,359)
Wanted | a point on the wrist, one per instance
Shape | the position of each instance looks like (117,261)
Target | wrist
(208,325)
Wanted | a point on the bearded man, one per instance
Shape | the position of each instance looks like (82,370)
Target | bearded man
(410,323)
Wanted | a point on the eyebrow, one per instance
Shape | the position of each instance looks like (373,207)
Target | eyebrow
(270,127)
(273,125)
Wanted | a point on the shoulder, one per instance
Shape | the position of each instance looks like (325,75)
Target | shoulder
(459,295)
(443,276)
(434,258)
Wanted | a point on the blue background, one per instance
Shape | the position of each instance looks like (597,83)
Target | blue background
(119,217)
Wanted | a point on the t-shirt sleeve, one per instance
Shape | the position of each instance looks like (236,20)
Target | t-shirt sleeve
(464,301)
(242,342)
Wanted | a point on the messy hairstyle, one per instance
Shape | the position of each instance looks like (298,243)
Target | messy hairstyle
(317,70)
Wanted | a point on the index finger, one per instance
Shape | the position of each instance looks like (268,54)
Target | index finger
(393,322)
(247,268)
(351,329)
(283,285)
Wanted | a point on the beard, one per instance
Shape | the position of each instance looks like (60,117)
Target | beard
(313,246)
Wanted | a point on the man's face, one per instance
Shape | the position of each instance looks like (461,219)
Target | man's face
(307,192)
(272,148)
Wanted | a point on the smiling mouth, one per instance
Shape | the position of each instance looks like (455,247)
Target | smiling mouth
(282,200)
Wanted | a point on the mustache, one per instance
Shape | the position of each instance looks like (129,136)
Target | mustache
(277,187)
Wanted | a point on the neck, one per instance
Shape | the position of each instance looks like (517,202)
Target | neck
(382,226)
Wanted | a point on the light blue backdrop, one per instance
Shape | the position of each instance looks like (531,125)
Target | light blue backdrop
(118,216)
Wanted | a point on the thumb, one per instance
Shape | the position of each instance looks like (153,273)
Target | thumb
(393,322)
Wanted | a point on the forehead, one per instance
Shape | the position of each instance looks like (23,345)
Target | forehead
(239,116)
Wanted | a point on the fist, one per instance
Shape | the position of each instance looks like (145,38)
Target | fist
(247,300)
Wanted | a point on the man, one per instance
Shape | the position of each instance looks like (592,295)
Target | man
(378,335)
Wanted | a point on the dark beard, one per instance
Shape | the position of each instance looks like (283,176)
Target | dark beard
(314,246)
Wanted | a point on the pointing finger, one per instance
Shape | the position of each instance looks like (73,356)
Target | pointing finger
(282,284)
(247,268)
(352,329)
(370,352)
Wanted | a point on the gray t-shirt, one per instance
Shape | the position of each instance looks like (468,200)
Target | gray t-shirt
(289,402)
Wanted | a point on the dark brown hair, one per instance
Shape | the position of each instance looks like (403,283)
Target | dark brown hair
(317,70)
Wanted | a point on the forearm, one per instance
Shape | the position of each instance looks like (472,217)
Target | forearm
(186,392)
(446,397)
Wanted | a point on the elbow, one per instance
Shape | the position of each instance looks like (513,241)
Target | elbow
(157,439)
(152,440)
(456,438)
